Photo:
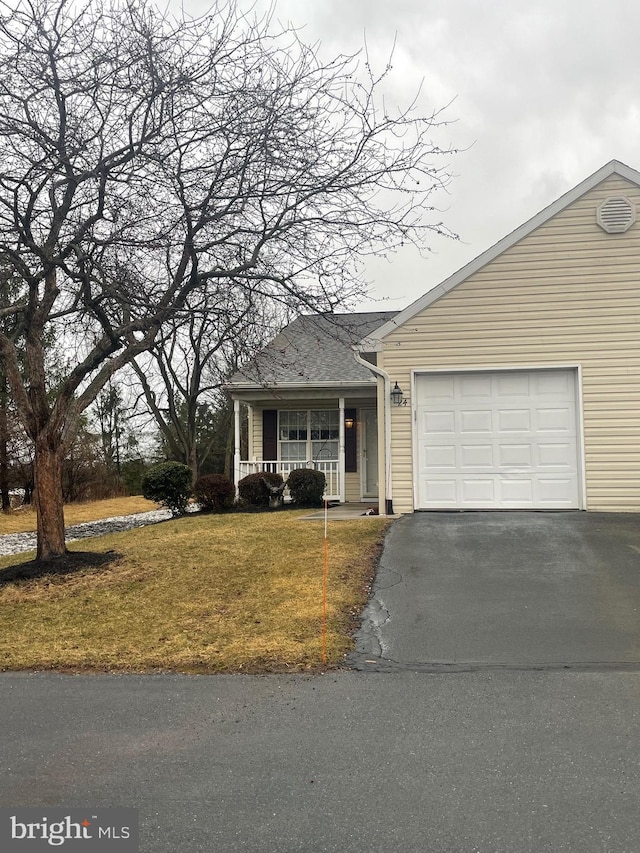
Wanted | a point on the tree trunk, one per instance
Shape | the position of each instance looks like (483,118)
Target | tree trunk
(192,461)
(48,498)
(4,442)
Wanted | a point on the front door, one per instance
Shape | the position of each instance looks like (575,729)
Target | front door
(369,453)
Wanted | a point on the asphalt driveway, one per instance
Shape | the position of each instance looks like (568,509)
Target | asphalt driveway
(523,590)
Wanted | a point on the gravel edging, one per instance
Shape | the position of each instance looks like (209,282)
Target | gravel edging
(16,543)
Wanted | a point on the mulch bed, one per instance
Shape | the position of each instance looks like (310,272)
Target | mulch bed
(69,563)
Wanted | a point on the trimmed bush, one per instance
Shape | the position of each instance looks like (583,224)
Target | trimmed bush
(168,484)
(214,492)
(252,489)
(306,486)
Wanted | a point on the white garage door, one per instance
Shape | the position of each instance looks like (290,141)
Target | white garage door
(505,440)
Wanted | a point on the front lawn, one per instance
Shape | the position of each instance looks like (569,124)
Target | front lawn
(205,593)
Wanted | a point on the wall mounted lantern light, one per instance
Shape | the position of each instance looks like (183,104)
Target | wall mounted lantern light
(397,396)
(349,423)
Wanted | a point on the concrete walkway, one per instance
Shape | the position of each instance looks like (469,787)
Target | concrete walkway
(343,512)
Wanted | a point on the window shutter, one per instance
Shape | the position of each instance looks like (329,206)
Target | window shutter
(351,443)
(269,435)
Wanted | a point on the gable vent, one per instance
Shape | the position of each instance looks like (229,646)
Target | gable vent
(616,214)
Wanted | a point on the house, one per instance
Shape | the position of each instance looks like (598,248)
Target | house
(513,384)
(310,402)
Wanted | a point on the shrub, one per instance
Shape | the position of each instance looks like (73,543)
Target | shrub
(214,492)
(306,486)
(168,484)
(252,489)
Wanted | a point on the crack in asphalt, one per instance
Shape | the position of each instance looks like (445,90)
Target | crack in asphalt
(368,638)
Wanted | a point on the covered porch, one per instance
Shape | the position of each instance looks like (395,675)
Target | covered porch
(337,436)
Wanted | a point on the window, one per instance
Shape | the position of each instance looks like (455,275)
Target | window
(305,436)
(292,434)
(325,432)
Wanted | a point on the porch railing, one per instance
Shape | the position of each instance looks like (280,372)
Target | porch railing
(330,469)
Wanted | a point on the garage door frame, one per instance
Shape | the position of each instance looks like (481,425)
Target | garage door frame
(576,368)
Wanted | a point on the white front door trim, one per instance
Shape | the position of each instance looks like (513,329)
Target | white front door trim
(368,440)
(501,368)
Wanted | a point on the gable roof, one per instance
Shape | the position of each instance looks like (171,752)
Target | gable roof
(372,342)
(313,349)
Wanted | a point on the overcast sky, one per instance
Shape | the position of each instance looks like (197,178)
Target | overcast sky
(543,93)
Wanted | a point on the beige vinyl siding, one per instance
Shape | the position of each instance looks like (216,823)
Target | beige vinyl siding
(257,432)
(566,294)
(352,487)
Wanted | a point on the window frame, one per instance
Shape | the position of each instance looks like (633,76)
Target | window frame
(309,441)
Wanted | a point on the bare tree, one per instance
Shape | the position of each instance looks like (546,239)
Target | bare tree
(145,159)
(111,417)
(183,373)
(7,325)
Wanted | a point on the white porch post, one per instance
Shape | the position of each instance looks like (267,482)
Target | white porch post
(250,454)
(341,452)
(383,466)
(236,431)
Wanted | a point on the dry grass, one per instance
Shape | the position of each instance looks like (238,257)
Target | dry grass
(200,594)
(24,520)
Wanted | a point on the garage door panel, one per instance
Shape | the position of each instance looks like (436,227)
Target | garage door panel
(442,387)
(556,490)
(550,382)
(516,492)
(475,387)
(437,422)
(441,491)
(497,440)
(476,421)
(478,491)
(477,456)
(555,455)
(511,385)
(513,420)
(518,455)
(554,420)
(439,456)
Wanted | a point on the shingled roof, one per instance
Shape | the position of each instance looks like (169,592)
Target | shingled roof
(314,348)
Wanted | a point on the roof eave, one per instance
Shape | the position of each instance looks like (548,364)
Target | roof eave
(296,386)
